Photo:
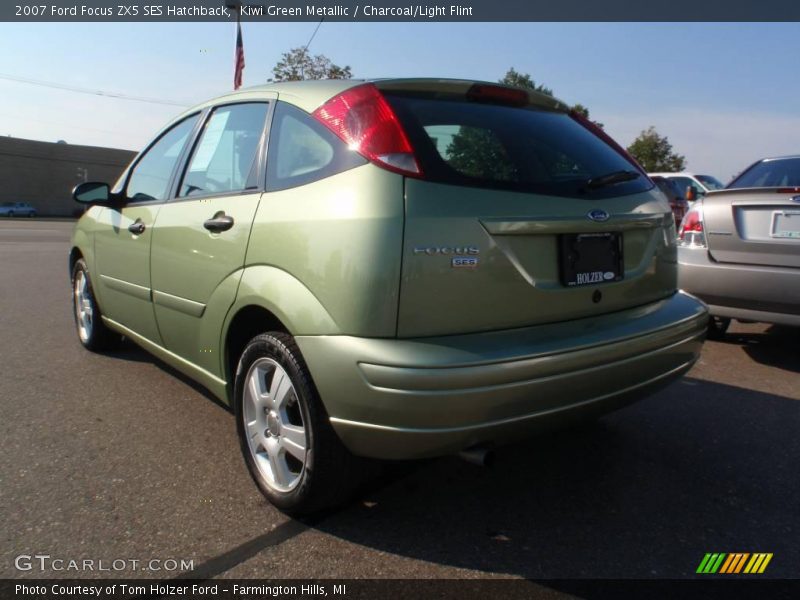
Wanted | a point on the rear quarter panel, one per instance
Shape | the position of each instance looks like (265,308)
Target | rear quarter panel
(341,239)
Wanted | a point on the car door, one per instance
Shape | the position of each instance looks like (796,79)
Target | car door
(201,235)
(124,232)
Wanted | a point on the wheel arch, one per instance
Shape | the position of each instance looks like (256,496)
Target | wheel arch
(75,255)
(269,299)
(248,322)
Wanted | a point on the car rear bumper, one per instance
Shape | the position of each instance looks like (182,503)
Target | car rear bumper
(431,396)
(747,292)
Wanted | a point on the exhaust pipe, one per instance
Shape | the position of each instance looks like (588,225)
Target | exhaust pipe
(480,455)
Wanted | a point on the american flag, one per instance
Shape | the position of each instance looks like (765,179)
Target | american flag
(239,58)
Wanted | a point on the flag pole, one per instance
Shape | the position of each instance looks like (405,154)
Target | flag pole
(238,61)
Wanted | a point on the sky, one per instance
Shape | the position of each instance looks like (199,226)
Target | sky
(724,94)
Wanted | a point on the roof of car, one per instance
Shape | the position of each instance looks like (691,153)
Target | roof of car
(310,94)
(790,156)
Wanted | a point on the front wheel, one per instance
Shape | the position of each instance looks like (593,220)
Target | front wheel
(92,332)
(291,450)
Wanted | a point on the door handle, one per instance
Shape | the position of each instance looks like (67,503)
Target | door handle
(137,227)
(219,222)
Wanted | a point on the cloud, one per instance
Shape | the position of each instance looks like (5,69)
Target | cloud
(720,143)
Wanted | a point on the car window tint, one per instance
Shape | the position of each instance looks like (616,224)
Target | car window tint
(782,172)
(302,150)
(480,144)
(150,177)
(225,155)
(710,182)
(685,182)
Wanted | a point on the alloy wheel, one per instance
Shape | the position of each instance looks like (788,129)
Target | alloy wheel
(274,426)
(84,311)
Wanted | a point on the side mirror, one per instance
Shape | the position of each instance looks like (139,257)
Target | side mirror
(91,192)
(691,194)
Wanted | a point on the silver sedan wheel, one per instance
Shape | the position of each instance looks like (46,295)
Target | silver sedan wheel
(84,313)
(274,425)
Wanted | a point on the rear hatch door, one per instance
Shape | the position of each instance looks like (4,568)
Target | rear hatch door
(515,221)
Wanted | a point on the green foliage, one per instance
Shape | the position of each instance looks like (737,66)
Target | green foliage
(478,153)
(523,80)
(654,152)
(297,64)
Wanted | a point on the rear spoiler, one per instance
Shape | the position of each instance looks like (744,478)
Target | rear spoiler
(755,190)
(463,86)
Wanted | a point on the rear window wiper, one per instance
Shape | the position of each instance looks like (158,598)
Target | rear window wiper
(611,179)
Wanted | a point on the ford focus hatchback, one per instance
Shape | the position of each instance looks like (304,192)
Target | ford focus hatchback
(391,269)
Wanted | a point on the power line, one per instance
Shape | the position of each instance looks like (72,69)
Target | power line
(313,35)
(70,88)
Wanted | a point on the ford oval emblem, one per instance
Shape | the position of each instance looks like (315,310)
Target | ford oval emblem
(598,215)
(795,198)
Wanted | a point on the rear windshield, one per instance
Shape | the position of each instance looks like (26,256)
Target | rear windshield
(710,182)
(526,149)
(776,172)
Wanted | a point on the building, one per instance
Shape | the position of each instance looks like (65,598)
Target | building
(43,174)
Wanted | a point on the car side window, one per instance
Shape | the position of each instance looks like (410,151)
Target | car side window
(225,157)
(150,177)
(684,182)
(303,150)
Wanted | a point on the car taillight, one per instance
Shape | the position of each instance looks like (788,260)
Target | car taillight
(691,232)
(362,117)
(497,94)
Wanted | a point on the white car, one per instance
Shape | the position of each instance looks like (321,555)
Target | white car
(701,184)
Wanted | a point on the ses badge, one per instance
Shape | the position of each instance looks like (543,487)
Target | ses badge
(466,256)
(468,262)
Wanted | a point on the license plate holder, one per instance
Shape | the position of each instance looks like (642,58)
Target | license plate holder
(590,258)
(786,224)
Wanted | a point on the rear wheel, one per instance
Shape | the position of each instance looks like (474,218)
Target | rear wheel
(92,332)
(291,450)
(717,326)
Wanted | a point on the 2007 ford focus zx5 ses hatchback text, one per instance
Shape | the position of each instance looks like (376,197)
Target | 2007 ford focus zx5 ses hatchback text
(390,269)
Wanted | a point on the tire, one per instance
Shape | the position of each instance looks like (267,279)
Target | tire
(292,452)
(717,326)
(92,332)
(10,215)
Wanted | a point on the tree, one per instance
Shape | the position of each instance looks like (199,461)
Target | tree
(654,152)
(523,80)
(477,152)
(297,64)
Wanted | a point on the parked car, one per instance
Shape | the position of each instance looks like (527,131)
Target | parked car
(392,269)
(16,209)
(740,247)
(699,185)
(673,193)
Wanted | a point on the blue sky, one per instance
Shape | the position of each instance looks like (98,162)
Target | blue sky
(724,94)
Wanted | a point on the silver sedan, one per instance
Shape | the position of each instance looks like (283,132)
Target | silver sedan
(740,247)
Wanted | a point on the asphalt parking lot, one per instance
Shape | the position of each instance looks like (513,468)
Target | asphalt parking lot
(118,456)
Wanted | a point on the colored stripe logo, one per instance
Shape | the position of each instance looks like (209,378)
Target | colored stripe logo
(733,563)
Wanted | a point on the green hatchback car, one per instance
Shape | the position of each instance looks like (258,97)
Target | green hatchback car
(388,269)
